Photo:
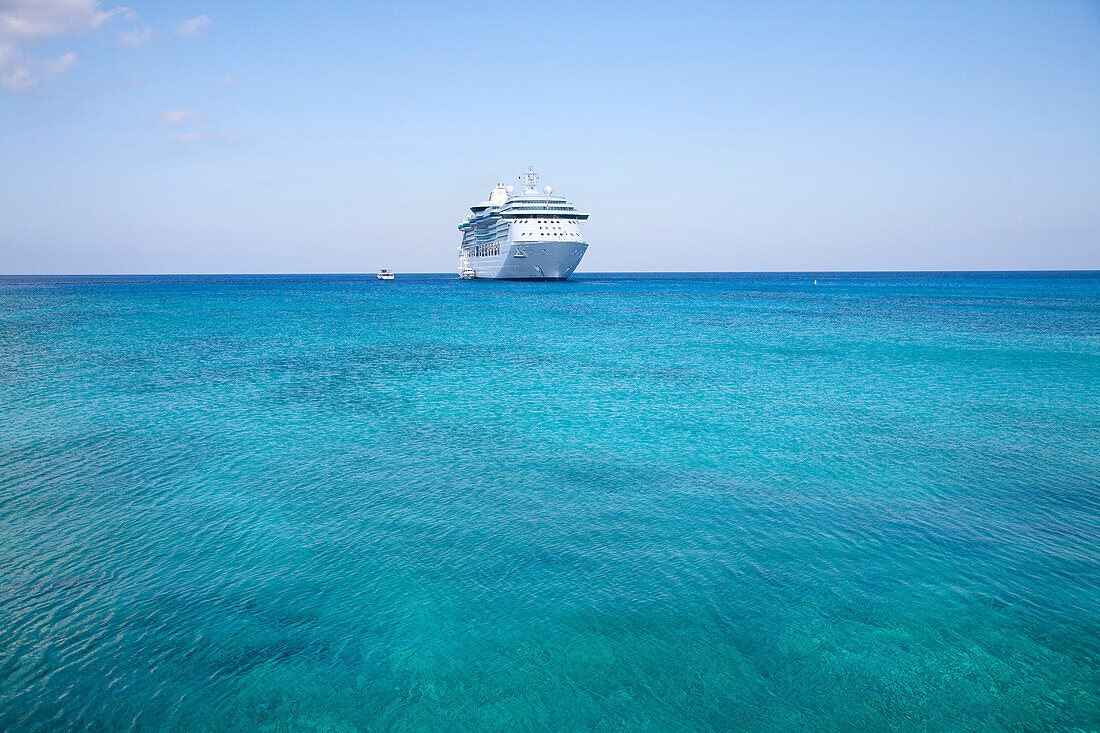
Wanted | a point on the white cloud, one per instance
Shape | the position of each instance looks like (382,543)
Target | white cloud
(176,117)
(23,73)
(226,80)
(135,38)
(193,27)
(24,22)
(203,137)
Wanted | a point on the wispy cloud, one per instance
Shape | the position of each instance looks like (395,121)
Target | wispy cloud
(36,20)
(225,81)
(189,138)
(175,117)
(25,73)
(26,22)
(192,27)
(178,117)
(135,38)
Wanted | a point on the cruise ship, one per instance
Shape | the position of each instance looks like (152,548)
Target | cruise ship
(528,236)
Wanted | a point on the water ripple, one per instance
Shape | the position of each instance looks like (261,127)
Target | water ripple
(722,502)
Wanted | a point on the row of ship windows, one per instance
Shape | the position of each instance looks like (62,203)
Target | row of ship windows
(483,250)
(526,218)
(495,220)
(549,226)
(553,231)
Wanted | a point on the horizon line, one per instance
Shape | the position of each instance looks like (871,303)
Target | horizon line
(581,274)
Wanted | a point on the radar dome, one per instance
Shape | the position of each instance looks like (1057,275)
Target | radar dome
(548,190)
(509,189)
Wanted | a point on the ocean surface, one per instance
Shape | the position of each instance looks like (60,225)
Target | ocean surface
(653,502)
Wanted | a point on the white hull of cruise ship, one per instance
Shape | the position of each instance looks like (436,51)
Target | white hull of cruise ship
(529,236)
(528,261)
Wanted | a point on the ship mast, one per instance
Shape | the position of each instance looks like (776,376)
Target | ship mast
(531,182)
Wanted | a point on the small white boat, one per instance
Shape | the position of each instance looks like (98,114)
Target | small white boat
(468,273)
(384,275)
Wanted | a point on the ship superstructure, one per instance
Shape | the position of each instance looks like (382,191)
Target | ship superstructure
(528,236)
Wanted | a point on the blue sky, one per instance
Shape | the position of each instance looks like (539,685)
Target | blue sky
(344,137)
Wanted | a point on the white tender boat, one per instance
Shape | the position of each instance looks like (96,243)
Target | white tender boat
(384,275)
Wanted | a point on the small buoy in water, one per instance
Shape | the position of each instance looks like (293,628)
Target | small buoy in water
(815,282)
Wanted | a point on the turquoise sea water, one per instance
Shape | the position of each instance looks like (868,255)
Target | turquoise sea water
(735,502)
